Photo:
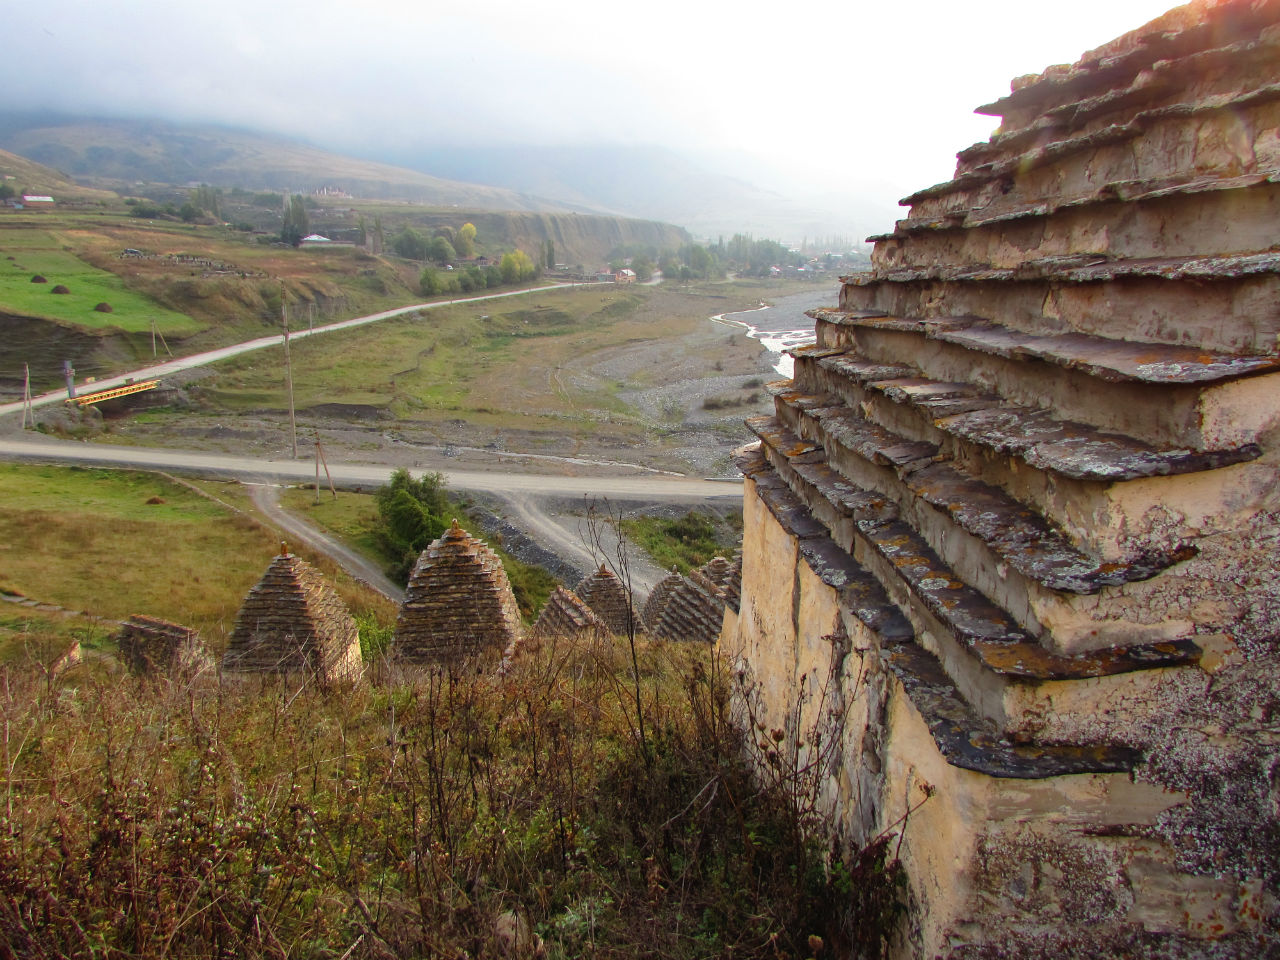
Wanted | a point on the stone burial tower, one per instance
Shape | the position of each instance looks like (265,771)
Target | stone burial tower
(293,622)
(458,605)
(1011,531)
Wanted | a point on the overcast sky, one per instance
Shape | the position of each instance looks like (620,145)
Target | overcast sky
(838,93)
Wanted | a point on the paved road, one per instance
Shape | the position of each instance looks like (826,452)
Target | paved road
(351,475)
(222,353)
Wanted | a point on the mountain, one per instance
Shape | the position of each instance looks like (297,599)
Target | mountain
(26,176)
(655,183)
(125,152)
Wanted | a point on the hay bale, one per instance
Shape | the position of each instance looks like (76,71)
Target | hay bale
(38,279)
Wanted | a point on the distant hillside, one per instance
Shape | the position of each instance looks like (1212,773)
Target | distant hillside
(129,151)
(31,177)
(656,183)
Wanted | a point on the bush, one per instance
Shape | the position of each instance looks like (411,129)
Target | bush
(38,279)
(104,307)
(60,289)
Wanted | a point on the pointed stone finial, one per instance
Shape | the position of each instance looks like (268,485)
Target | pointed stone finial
(284,549)
(604,571)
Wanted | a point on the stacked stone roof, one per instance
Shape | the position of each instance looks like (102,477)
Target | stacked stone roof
(658,597)
(151,645)
(694,610)
(293,622)
(567,616)
(604,593)
(458,604)
(1031,465)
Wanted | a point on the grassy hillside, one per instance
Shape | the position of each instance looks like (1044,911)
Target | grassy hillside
(28,177)
(112,544)
(207,284)
(129,151)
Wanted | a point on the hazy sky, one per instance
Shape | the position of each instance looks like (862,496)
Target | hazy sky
(838,93)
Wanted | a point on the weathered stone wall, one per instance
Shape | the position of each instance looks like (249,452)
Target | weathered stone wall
(1009,554)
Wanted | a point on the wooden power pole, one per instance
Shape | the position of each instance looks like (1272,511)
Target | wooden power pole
(288,370)
(27,412)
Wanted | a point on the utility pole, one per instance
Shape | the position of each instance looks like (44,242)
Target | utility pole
(320,458)
(27,412)
(69,372)
(311,311)
(288,370)
(153,339)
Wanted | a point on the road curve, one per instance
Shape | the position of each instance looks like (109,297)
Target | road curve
(222,353)
(353,475)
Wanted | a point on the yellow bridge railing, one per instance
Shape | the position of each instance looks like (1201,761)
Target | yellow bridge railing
(129,388)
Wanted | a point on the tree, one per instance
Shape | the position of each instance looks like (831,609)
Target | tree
(441,251)
(296,224)
(6,191)
(550,259)
(411,514)
(516,267)
(429,282)
(189,212)
(206,198)
(410,244)
(364,232)
(465,241)
(643,267)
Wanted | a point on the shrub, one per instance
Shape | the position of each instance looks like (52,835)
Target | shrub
(59,289)
(38,279)
(104,307)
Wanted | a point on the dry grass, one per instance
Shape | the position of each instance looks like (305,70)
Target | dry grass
(145,818)
(96,541)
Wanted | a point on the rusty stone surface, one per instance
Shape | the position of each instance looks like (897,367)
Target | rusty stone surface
(151,645)
(1112,360)
(293,622)
(1020,536)
(1079,451)
(566,616)
(1102,357)
(871,441)
(458,605)
(971,743)
(1081,268)
(1115,133)
(605,594)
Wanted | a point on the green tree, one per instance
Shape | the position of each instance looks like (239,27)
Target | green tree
(516,267)
(364,232)
(465,241)
(410,244)
(411,515)
(441,251)
(550,256)
(189,212)
(643,267)
(6,191)
(296,224)
(207,198)
(429,282)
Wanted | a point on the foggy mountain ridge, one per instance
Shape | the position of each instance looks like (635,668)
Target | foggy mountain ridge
(645,182)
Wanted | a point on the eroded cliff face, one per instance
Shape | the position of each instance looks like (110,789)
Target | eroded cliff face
(1011,532)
